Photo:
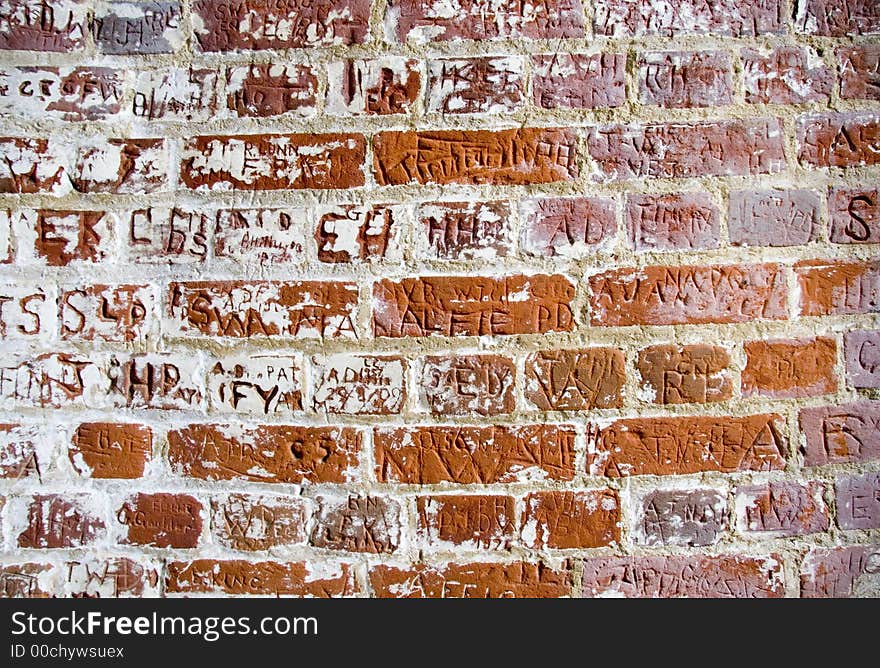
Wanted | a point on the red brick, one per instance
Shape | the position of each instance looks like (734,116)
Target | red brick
(686,374)
(730,18)
(369,524)
(271,90)
(68,93)
(858,501)
(258,236)
(476,580)
(424,20)
(111,449)
(786,75)
(681,517)
(162,520)
(472,306)
(239,162)
(60,238)
(45,25)
(841,572)
(56,521)
(837,18)
(466,230)
(684,150)
(672,222)
(473,455)
(488,85)
(683,445)
(127,28)
(26,312)
(359,233)
(571,520)
(238,309)
(862,356)
(724,576)
(375,86)
(841,434)
(855,215)
(839,140)
(107,313)
(468,384)
(566,226)
(25,580)
(256,384)
(258,578)
(688,295)
(859,72)
(230,25)
(838,288)
(577,380)
(350,384)
(790,368)
(159,235)
(267,453)
(122,166)
(782,509)
(474,521)
(155,380)
(178,94)
(773,217)
(113,577)
(685,78)
(22,452)
(579,81)
(251,523)
(500,157)
(28,166)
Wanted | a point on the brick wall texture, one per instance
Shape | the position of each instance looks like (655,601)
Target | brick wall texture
(440,298)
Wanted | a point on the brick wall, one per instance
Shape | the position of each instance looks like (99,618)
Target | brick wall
(434,298)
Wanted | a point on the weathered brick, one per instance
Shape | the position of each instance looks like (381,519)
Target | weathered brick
(683,445)
(155,380)
(60,238)
(271,90)
(29,166)
(162,520)
(258,578)
(162,235)
(773,217)
(239,309)
(837,287)
(359,384)
(696,373)
(732,18)
(26,312)
(250,522)
(839,140)
(267,453)
(862,354)
(359,233)
(432,20)
(43,25)
(487,85)
(685,78)
(259,384)
(473,455)
(368,524)
(177,94)
(571,520)
(841,572)
(466,230)
(23,453)
(259,236)
(25,580)
(113,577)
(231,25)
(476,580)
(579,81)
(242,162)
(786,75)
(138,28)
(858,501)
(472,306)
(672,222)
(781,509)
(685,150)
(681,517)
(468,384)
(107,312)
(569,227)
(855,215)
(374,86)
(790,368)
(578,380)
(859,72)
(67,93)
(48,380)
(475,521)
(56,520)
(658,295)
(122,166)
(837,18)
(725,576)
(111,449)
(841,434)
